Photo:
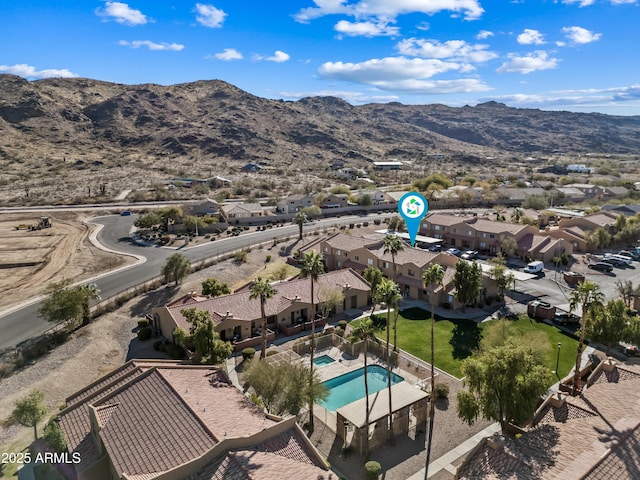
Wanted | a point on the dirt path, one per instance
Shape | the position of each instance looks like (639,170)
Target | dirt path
(47,255)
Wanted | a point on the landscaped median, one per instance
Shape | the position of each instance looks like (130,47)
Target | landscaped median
(457,339)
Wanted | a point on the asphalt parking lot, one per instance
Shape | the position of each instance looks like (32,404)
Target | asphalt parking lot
(552,288)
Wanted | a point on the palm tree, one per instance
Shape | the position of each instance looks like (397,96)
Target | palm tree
(432,276)
(365,331)
(389,294)
(312,267)
(263,290)
(586,293)
(392,245)
(300,219)
(88,293)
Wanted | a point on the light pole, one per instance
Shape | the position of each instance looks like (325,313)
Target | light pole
(558,360)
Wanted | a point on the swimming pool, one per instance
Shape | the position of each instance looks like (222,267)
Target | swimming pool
(349,387)
(323,360)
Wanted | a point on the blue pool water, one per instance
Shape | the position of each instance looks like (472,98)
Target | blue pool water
(349,387)
(323,360)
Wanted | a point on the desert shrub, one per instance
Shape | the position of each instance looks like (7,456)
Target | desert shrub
(174,351)
(339,332)
(441,390)
(144,334)
(142,323)
(372,470)
(248,353)
(342,324)
(268,259)
(240,257)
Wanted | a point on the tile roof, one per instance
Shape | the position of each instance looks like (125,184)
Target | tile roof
(342,241)
(445,219)
(151,429)
(280,457)
(594,435)
(242,307)
(490,226)
(416,256)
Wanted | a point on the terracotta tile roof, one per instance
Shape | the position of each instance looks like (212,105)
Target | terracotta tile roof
(591,436)
(144,436)
(342,241)
(276,458)
(242,307)
(602,219)
(103,382)
(416,256)
(490,226)
(531,242)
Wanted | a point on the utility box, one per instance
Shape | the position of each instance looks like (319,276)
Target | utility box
(573,278)
(540,310)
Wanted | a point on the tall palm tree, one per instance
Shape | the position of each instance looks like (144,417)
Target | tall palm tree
(432,276)
(263,290)
(365,331)
(392,245)
(88,293)
(312,267)
(389,294)
(586,293)
(300,219)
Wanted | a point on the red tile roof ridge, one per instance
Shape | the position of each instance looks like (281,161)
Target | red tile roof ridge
(77,397)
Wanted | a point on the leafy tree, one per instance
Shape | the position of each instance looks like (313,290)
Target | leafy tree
(607,324)
(171,214)
(284,388)
(54,436)
(503,279)
(517,215)
(365,200)
(587,294)
(312,267)
(374,276)
(625,289)
(214,288)
(208,345)
(328,299)
(505,384)
(536,202)
(180,336)
(433,277)
(263,290)
(508,246)
(388,293)
(396,224)
(66,304)
(148,220)
(29,410)
(393,245)
(439,179)
(176,268)
(365,331)
(468,282)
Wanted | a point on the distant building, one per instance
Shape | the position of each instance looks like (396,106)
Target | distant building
(251,168)
(387,166)
(294,203)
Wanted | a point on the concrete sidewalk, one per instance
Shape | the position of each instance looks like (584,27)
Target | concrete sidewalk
(446,461)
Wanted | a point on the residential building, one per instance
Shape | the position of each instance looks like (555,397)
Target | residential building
(378,197)
(294,203)
(166,420)
(202,208)
(358,253)
(628,210)
(387,166)
(335,200)
(576,230)
(589,191)
(592,436)
(237,316)
(234,211)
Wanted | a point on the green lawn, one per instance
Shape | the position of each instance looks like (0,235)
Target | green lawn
(455,340)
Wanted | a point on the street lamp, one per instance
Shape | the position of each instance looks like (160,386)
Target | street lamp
(557,360)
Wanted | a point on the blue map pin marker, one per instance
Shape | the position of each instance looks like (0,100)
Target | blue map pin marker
(413,207)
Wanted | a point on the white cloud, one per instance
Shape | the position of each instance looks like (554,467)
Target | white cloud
(228,54)
(581,35)
(209,16)
(279,56)
(402,74)
(366,29)
(581,3)
(530,37)
(471,9)
(457,50)
(532,62)
(122,13)
(484,34)
(27,71)
(174,47)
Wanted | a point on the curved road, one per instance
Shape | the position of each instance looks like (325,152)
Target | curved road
(21,324)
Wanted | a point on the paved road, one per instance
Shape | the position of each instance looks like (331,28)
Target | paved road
(24,323)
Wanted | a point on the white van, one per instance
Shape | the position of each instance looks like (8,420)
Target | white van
(534,267)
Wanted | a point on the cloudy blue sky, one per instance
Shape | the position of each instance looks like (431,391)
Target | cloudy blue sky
(577,55)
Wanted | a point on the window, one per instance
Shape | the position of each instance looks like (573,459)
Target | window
(338,252)
(369,261)
(484,234)
(436,227)
(470,233)
(339,264)
(346,254)
(356,258)
(492,235)
(385,264)
(411,273)
(326,249)
(483,245)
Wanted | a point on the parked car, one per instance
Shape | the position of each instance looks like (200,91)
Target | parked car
(616,261)
(633,254)
(435,248)
(566,319)
(453,251)
(126,213)
(534,267)
(469,254)
(601,267)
